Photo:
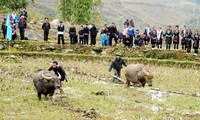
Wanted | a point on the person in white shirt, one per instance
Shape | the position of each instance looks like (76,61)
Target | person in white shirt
(159,38)
(61,29)
(14,15)
(147,35)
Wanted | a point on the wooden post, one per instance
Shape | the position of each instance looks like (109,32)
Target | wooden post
(119,79)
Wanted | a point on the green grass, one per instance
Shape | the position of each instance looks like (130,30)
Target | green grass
(19,100)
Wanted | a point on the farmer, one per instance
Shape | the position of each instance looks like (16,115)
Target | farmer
(59,70)
(117,66)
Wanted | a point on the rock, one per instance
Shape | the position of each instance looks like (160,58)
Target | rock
(55,23)
(79,110)
(32,22)
(6,73)
(16,46)
(104,53)
(19,67)
(2,47)
(67,51)
(93,52)
(33,35)
(13,56)
(97,49)
(73,70)
(52,48)
(156,89)
(140,55)
(38,48)
(137,101)
(91,113)
(100,93)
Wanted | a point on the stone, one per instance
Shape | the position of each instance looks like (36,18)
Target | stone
(54,23)
(104,53)
(91,113)
(67,51)
(32,22)
(16,46)
(97,49)
(52,48)
(13,56)
(33,35)
(38,48)
(2,47)
(93,52)
(100,93)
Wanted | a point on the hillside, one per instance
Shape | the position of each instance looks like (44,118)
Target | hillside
(44,8)
(154,12)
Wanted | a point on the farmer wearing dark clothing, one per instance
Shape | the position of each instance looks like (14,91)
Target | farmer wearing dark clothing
(4,28)
(112,30)
(176,37)
(61,29)
(168,35)
(183,35)
(93,34)
(81,35)
(46,27)
(117,66)
(22,26)
(72,34)
(58,70)
(196,42)
(24,13)
(86,34)
(189,38)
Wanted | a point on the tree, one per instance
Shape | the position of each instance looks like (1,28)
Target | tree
(13,4)
(80,11)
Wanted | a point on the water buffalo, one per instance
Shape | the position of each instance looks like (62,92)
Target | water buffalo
(138,74)
(45,83)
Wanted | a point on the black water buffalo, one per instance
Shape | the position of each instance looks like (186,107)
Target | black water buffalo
(45,83)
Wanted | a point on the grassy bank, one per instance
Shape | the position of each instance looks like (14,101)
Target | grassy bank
(163,62)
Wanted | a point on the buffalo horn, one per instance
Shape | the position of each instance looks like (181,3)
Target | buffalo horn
(48,78)
(145,72)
